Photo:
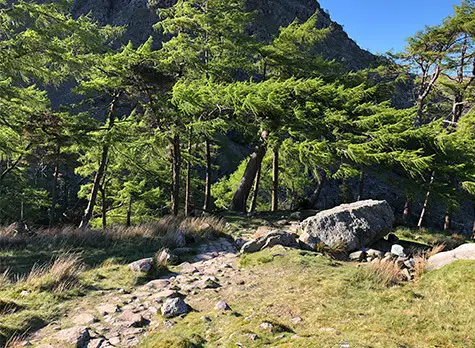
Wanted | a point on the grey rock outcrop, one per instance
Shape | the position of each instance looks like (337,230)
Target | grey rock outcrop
(174,307)
(144,265)
(269,240)
(353,226)
(463,252)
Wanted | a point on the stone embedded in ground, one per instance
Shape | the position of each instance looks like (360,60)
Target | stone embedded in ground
(163,295)
(210,283)
(253,337)
(266,326)
(143,265)
(352,226)
(463,252)
(410,263)
(157,284)
(398,250)
(108,308)
(131,319)
(165,257)
(174,307)
(269,240)
(222,306)
(296,320)
(357,256)
(77,336)
(84,319)
(206,319)
(375,253)
(96,343)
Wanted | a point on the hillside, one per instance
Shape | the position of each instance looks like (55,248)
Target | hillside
(140,15)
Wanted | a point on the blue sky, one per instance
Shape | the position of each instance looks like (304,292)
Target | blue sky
(382,25)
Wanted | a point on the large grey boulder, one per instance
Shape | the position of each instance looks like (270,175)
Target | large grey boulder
(269,240)
(174,307)
(463,252)
(354,226)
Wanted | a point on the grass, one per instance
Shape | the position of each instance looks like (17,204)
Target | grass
(337,302)
(44,273)
(432,238)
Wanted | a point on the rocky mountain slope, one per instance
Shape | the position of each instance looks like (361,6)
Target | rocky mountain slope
(139,16)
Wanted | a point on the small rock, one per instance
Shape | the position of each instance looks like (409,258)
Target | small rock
(84,319)
(406,274)
(375,253)
(132,319)
(174,307)
(296,320)
(115,341)
(357,256)
(108,308)
(222,306)
(210,283)
(162,295)
(206,319)
(143,265)
(398,250)
(95,343)
(77,336)
(24,293)
(400,261)
(169,323)
(157,284)
(253,337)
(266,326)
(164,257)
(410,263)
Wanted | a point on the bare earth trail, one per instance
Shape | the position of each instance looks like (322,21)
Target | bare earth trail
(119,319)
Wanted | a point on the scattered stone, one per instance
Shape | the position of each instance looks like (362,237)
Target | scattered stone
(410,263)
(357,256)
(115,341)
(157,284)
(96,343)
(406,274)
(84,319)
(164,257)
(222,306)
(262,231)
(210,283)
(169,323)
(398,250)
(463,252)
(24,293)
(269,240)
(108,308)
(143,265)
(165,294)
(266,326)
(327,329)
(375,253)
(174,307)
(77,336)
(354,226)
(296,320)
(131,319)
(206,319)
(400,261)
(253,337)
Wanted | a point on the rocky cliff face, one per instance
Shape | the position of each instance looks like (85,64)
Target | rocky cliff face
(139,16)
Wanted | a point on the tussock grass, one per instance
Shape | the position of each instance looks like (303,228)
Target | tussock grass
(432,238)
(380,273)
(59,276)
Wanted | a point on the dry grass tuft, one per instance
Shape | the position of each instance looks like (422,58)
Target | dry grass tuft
(62,275)
(435,250)
(420,264)
(383,273)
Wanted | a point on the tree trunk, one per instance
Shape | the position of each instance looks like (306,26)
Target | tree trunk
(426,202)
(252,208)
(128,221)
(447,221)
(242,193)
(316,194)
(207,203)
(406,215)
(52,216)
(188,180)
(104,206)
(275,180)
(100,173)
(176,164)
(361,186)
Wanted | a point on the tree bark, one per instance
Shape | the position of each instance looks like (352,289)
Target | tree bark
(207,202)
(275,180)
(361,186)
(100,173)
(52,217)
(426,202)
(406,215)
(188,179)
(242,193)
(104,206)
(447,221)
(316,194)
(128,221)
(256,189)
(176,164)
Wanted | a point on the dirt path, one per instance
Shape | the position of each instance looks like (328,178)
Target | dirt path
(119,319)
